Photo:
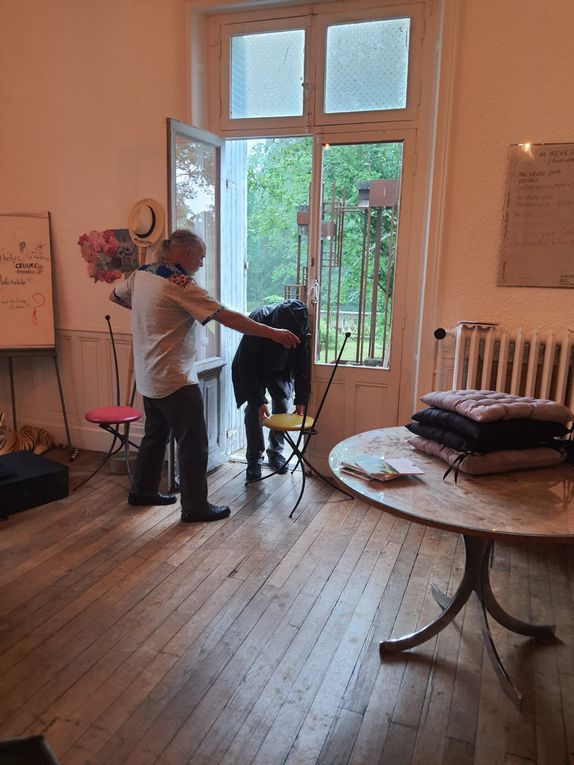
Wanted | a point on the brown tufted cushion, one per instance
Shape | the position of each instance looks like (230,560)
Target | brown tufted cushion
(494,462)
(490,405)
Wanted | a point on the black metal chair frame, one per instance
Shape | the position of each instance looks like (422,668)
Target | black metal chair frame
(114,428)
(304,436)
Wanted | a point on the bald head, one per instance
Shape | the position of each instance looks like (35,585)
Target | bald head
(185,248)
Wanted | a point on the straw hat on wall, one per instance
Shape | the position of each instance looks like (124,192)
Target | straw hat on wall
(146,222)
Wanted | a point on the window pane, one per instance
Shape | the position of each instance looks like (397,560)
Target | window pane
(367,66)
(360,209)
(196,191)
(278,179)
(267,74)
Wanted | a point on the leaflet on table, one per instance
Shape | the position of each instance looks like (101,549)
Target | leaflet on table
(377,469)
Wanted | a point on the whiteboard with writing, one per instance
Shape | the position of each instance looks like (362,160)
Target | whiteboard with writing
(537,243)
(26,302)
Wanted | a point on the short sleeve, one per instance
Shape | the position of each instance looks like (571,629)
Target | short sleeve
(123,291)
(198,302)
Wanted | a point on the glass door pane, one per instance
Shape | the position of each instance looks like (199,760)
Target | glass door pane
(278,176)
(194,190)
(357,251)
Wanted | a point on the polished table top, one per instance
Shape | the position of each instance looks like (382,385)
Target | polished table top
(535,503)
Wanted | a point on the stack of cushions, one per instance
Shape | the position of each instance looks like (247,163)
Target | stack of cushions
(482,431)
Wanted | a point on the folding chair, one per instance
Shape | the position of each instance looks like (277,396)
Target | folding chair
(305,426)
(112,418)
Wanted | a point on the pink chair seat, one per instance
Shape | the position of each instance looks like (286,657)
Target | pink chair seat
(113,415)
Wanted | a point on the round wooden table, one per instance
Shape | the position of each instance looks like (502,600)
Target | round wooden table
(525,504)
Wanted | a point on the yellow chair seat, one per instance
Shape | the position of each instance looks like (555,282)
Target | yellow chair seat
(286,422)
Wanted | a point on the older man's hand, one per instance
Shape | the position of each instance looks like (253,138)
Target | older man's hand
(263,412)
(285,338)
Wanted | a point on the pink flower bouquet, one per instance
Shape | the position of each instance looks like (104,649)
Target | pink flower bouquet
(108,254)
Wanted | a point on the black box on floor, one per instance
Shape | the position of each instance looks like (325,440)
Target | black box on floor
(32,750)
(28,480)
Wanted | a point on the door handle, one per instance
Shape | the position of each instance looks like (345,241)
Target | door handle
(314,292)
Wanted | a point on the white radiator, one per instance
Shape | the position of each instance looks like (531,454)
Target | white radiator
(488,357)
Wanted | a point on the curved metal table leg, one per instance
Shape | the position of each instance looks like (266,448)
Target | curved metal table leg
(510,622)
(452,606)
(508,686)
(441,597)
(475,580)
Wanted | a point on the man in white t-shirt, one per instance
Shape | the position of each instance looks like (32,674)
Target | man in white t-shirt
(166,302)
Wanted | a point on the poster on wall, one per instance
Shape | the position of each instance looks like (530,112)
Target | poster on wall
(537,241)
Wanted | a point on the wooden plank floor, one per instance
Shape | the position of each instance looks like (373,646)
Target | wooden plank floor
(127,637)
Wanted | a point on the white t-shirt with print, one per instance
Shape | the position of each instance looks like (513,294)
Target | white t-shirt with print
(166,302)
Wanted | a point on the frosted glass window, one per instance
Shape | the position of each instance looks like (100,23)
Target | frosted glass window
(267,74)
(366,66)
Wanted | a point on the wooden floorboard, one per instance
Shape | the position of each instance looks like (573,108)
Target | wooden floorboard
(127,637)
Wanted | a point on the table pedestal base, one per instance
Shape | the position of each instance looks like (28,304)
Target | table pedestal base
(475,580)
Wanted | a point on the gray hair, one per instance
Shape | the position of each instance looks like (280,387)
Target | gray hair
(181,237)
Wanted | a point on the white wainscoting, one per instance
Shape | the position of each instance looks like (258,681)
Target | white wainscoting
(85,360)
(86,366)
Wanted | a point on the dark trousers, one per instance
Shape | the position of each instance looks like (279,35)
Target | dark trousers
(181,413)
(254,430)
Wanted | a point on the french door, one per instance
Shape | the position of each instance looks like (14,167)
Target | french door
(195,172)
(352,268)
(358,279)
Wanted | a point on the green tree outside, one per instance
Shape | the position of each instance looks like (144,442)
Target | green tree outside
(279,173)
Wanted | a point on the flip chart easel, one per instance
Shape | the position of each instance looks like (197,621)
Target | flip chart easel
(26,296)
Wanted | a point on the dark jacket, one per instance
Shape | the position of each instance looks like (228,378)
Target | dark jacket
(259,360)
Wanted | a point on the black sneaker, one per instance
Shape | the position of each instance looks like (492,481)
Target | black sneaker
(211,513)
(151,499)
(253,472)
(278,463)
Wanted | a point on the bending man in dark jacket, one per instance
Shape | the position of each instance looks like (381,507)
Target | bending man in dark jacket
(260,366)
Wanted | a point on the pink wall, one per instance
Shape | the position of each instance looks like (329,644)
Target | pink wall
(85,90)
(513,84)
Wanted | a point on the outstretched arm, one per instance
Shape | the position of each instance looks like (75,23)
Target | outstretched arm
(247,326)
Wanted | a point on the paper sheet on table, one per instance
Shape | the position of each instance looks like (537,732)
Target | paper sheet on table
(374,468)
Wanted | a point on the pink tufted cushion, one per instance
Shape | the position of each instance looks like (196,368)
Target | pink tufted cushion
(490,405)
(494,462)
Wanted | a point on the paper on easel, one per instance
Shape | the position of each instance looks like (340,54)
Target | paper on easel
(373,468)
